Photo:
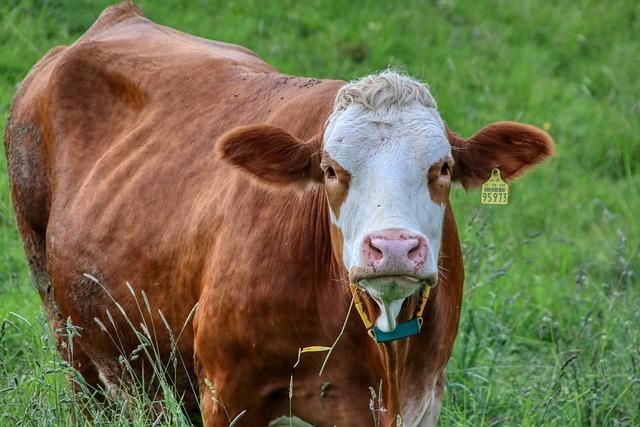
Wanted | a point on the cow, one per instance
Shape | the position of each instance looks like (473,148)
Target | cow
(155,175)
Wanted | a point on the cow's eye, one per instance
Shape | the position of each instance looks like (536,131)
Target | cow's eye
(330,172)
(445,170)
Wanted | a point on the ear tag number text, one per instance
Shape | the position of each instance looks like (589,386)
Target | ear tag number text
(495,191)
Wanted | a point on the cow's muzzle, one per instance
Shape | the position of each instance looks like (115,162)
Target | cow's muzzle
(394,252)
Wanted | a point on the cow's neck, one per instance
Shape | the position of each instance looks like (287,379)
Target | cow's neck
(390,359)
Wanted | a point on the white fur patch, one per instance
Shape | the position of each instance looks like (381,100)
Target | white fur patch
(386,132)
(423,411)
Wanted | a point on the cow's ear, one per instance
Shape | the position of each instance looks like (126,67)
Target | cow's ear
(511,147)
(272,154)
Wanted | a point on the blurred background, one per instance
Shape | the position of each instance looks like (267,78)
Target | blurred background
(550,329)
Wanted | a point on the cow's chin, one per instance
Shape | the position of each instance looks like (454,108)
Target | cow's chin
(389,293)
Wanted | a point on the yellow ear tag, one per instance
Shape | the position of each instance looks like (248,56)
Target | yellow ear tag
(495,191)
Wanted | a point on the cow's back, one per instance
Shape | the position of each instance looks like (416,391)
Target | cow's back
(125,183)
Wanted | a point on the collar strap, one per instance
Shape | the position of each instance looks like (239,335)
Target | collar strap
(403,330)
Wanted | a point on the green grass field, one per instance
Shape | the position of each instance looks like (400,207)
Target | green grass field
(550,331)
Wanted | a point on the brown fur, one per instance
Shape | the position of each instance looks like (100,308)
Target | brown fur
(111,151)
(439,183)
(337,188)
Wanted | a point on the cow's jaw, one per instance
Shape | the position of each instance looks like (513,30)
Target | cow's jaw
(387,157)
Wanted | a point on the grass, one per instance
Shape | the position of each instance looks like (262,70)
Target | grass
(551,319)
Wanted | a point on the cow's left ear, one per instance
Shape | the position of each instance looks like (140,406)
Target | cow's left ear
(511,147)
(271,154)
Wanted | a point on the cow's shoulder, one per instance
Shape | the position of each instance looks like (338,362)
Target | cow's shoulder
(125,23)
(112,16)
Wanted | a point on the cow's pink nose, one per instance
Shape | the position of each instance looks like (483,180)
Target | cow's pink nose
(394,251)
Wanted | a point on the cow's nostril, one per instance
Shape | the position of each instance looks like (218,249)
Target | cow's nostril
(415,247)
(375,251)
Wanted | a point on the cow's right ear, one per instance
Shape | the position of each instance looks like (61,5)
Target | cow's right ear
(511,147)
(272,154)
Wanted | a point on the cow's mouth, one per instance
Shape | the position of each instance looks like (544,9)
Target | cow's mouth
(390,293)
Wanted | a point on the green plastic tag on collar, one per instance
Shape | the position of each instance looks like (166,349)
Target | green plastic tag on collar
(403,330)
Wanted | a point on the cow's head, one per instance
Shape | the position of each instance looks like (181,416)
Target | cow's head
(386,160)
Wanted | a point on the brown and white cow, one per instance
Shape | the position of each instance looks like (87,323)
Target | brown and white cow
(201,175)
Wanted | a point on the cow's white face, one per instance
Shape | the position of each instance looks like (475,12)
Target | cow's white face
(387,182)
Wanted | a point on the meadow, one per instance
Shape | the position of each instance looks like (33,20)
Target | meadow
(550,329)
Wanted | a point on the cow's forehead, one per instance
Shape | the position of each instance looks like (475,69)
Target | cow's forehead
(414,132)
